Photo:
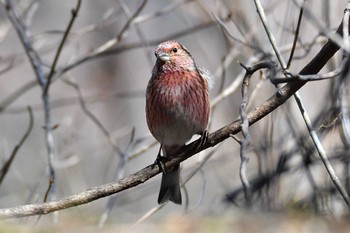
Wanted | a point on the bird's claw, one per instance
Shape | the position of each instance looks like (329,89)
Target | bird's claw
(204,138)
(160,162)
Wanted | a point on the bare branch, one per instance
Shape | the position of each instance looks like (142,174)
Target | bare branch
(92,117)
(244,143)
(60,47)
(269,34)
(8,163)
(297,30)
(109,44)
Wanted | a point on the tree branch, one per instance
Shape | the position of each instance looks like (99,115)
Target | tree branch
(60,47)
(8,163)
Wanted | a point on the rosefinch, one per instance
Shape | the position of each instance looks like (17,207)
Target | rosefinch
(177,107)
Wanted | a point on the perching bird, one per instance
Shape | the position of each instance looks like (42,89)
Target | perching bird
(177,107)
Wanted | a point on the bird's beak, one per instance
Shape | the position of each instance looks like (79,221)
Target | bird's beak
(164,56)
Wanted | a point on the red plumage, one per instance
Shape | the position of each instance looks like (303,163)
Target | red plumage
(177,107)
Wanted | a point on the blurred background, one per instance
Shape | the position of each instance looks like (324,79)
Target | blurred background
(97,102)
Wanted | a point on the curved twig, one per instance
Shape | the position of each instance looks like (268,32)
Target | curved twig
(8,163)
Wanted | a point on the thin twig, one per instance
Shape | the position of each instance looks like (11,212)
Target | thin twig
(323,30)
(246,138)
(296,36)
(92,117)
(313,77)
(272,40)
(8,163)
(227,31)
(139,32)
(120,172)
(109,44)
(322,152)
(244,143)
(233,87)
(164,10)
(60,47)
(72,101)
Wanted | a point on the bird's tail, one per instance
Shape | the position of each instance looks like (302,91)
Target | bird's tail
(170,186)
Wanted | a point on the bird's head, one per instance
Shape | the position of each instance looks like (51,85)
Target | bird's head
(173,55)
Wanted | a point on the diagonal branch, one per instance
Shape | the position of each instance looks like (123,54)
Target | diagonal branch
(8,163)
(60,47)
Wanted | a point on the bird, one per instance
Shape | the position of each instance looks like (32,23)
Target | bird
(177,107)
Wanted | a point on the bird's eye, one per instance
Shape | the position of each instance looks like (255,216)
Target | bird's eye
(175,50)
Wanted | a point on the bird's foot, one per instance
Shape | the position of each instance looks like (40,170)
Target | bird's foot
(204,138)
(160,162)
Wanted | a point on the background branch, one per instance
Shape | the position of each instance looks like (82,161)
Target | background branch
(5,168)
